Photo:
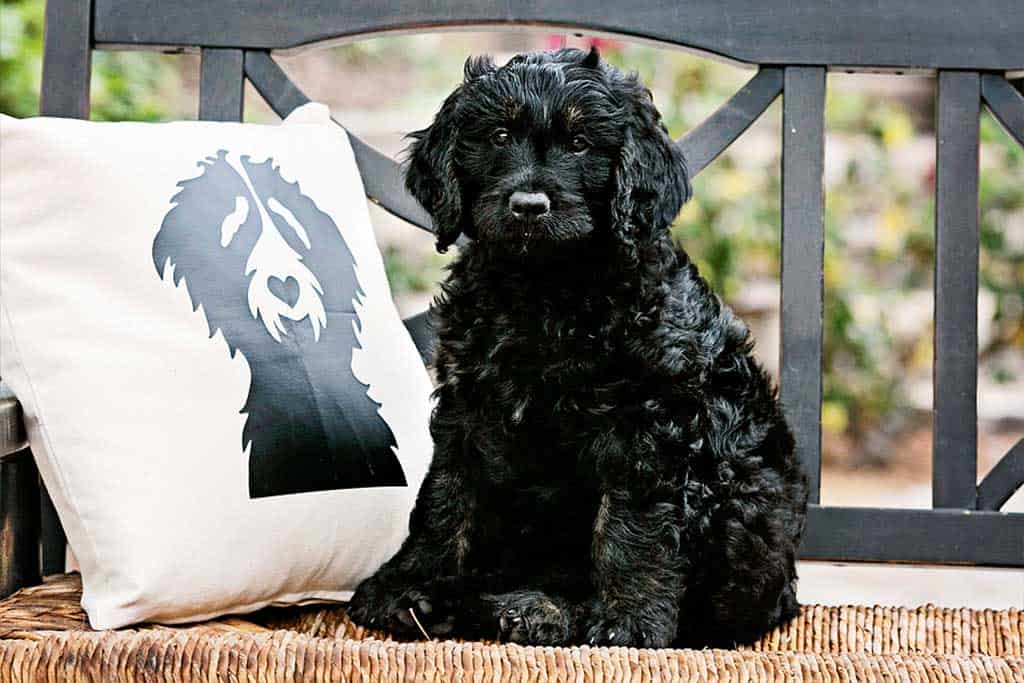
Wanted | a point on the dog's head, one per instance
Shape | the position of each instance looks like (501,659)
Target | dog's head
(548,150)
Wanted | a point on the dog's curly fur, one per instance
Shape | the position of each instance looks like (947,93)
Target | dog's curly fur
(611,465)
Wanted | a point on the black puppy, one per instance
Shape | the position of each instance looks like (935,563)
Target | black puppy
(611,465)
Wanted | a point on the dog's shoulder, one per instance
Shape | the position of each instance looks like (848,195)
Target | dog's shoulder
(696,329)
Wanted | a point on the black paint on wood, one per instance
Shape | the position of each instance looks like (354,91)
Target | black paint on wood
(803,245)
(423,334)
(272,83)
(1006,104)
(19,522)
(67,59)
(1003,480)
(900,34)
(955,432)
(221,85)
(711,137)
(846,534)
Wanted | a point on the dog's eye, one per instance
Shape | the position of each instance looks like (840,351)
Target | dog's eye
(580,144)
(500,137)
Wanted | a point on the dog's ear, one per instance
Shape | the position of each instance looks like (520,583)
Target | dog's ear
(475,67)
(430,175)
(651,182)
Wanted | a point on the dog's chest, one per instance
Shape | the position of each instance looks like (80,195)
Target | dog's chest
(544,511)
(542,358)
(537,407)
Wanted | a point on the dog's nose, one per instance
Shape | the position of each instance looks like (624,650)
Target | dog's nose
(529,204)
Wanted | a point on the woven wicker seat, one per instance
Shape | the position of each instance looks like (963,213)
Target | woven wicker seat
(44,636)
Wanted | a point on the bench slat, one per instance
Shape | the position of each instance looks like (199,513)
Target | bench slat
(803,248)
(854,534)
(221,85)
(1005,103)
(955,432)
(711,137)
(67,59)
(1003,479)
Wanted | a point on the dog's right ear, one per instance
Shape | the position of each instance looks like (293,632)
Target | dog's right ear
(475,67)
(430,176)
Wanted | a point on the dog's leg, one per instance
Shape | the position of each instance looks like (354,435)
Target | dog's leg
(745,581)
(638,571)
(748,583)
(440,531)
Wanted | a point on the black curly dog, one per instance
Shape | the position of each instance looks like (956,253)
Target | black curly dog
(612,465)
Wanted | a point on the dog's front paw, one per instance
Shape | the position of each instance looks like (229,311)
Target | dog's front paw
(368,604)
(607,628)
(531,617)
(404,610)
(420,612)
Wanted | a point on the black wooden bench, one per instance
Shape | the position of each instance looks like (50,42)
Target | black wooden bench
(971,48)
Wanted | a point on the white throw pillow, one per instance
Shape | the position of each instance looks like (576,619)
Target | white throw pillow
(220,394)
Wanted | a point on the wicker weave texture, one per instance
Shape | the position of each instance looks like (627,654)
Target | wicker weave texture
(288,656)
(44,637)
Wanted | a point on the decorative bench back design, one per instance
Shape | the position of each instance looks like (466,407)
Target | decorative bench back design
(970,47)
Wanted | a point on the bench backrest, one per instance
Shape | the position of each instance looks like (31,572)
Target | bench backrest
(970,47)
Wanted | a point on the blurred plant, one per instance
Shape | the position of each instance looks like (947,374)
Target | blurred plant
(1002,252)
(133,86)
(409,274)
(21,32)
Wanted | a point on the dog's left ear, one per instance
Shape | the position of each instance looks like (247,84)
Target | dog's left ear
(651,182)
(430,175)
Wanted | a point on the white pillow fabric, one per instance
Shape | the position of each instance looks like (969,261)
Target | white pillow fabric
(222,399)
